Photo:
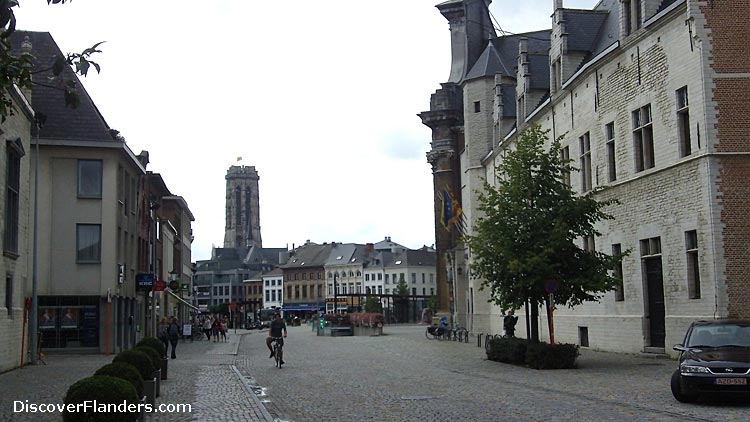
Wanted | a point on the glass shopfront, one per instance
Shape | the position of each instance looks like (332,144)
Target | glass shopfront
(69,321)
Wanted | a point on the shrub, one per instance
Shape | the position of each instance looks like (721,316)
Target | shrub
(547,356)
(139,360)
(507,350)
(154,357)
(153,343)
(337,320)
(102,389)
(367,319)
(124,371)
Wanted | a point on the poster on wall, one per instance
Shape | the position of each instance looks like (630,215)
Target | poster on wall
(69,318)
(47,318)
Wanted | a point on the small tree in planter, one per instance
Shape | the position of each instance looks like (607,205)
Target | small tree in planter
(153,343)
(139,360)
(372,304)
(104,390)
(124,371)
(158,346)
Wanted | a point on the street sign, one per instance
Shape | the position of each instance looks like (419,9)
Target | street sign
(160,285)
(144,281)
(550,286)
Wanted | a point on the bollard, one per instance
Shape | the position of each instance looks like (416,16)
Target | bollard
(479,339)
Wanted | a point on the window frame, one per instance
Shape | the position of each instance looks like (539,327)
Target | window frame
(13,153)
(683,121)
(643,139)
(86,260)
(79,179)
(609,132)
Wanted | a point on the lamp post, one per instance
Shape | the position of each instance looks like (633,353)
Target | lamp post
(335,293)
(174,284)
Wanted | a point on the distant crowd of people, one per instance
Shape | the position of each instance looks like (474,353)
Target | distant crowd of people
(215,326)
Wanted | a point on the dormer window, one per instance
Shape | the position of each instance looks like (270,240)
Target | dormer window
(398,262)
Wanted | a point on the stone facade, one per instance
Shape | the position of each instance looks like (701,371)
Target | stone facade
(677,77)
(242,208)
(15,264)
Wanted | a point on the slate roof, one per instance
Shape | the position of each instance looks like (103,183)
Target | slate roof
(309,255)
(539,69)
(258,255)
(609,32)
(583,28)
(509,100)
(501,55)
(84,123)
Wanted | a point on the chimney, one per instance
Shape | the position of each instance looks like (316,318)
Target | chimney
(369,248)
(143,158)
(26,49)
(283,257)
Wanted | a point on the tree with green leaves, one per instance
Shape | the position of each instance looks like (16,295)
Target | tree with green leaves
(531,222)
(16,68)
(401,288)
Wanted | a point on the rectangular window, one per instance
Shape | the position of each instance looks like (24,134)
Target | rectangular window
(432,278)
(683,121)
(583,336)
(304,276)
(387,291)
(14,152)
(413,291)
(320,290)
(477,107)
(609,130)
(380,290)
(9,294)
(288,291)
(627,18)
(367,277)
(564,158)
(413,278)
(423,279)
(694,277)
(619,288)
(273,295)
(432,291)
(296,292)
(584,142)
(556,76)
(650,247)
(643,138)
(89,178)
(386,279)
(88,243)
(304,292)
(268,295)
(424,291)
(380,276)
(589,244)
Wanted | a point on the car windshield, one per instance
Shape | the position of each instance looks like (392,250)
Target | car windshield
(720,335)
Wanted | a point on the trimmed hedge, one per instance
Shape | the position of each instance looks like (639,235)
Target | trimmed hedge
(103,389)
(153,343)
(547,356)
(124,371)
(507,350)
(152,355)
(139,360)
(518,351)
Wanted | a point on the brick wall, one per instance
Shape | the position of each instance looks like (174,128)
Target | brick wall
(727,23)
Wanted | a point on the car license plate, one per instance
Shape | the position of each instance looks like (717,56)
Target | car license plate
(731,381)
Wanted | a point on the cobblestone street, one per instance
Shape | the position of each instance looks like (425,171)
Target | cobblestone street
(400,376)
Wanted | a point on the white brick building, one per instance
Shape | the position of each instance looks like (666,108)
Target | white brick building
(647,97)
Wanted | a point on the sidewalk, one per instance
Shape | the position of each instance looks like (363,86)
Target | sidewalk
(203,375)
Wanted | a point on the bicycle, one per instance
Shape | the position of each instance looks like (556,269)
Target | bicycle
(434,332)
(278,352)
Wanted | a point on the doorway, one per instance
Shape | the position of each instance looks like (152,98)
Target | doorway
(655,301)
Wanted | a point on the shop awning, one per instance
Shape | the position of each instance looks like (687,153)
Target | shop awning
(307,308)
(186,303)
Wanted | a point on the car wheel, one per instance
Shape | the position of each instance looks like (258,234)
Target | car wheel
(677,390)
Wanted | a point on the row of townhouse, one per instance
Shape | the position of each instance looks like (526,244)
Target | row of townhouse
(649,97)
(301,280)
(338,276)
(82,218)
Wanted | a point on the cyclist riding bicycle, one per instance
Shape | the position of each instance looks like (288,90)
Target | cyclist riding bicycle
(274,332)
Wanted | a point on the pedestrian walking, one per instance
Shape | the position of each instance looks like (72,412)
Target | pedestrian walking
(224,328)
(215,328)
(174,335)
(207,327)
(163,335)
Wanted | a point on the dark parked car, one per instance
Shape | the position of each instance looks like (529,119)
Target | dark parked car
(714,358)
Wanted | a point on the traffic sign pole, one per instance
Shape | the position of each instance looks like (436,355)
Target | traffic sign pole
(550,286)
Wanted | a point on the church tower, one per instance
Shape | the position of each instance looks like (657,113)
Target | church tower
(242,228)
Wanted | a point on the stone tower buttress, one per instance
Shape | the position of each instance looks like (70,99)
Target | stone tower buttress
(242,229)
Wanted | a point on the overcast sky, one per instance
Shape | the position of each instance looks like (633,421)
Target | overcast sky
(320,96)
